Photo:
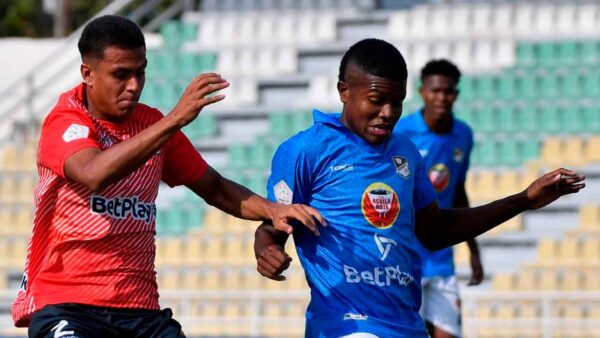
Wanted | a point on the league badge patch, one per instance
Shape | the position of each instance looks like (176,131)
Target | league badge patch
(401,164)
(439,176)
(380,205)
(283,193)
(75,132)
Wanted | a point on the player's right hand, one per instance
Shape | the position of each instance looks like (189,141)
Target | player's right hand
(196,96)
(272,262)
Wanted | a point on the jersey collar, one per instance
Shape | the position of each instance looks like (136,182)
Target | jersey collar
(421,125)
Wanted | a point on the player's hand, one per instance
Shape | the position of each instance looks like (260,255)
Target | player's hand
(272,262)
(476,270)
(197,96)
(551,186)
(284,214)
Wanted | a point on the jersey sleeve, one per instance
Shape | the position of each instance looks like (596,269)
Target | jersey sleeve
(462,175)
(183,164)
(290,175)
(63,134)
(424,193)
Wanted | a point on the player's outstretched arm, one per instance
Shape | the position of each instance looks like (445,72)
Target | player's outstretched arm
(271,259)
(97,169)
(239,201)
(438,228)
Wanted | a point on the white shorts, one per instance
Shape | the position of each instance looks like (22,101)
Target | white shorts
(360,335)
(441,303)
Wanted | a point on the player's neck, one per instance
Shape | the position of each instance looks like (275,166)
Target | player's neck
(439,124)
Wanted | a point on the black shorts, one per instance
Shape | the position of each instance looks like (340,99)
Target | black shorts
(84,321)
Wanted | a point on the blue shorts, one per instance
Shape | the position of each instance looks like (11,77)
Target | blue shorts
(84,321)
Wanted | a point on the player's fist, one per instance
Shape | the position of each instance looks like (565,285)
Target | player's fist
(272,262)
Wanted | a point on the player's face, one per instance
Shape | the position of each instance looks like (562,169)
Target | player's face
(439,93)
(114,83)
(372,104)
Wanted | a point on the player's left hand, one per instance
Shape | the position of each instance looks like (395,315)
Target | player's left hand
(476,270)
(283,214)
(551,186)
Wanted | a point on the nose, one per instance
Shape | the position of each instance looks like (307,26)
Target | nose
(387,112)
(134,84)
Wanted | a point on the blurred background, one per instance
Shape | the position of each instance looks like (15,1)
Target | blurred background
(530,90)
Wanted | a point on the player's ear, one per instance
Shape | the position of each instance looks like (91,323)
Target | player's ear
(342,88)
(86,73)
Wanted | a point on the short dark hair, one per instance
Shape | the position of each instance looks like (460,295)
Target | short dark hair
(375,57)
(441,67)
(107,31)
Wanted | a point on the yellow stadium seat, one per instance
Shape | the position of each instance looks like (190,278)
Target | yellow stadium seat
(546,250)
(23,221)
(211,278)
(213,247)
(192,251)
(549,280)
(5,222)
(169,279)
(509,183)
(25,189)
(192,279)
(568,251)
(484,186)
(552,152)
(589,217)
(462,254)
(574,152)
(8,187)
(503,281)
(214,221)
(272,309)
(526,279)
(590,251)
(572,280)
(592,151)
(591,277)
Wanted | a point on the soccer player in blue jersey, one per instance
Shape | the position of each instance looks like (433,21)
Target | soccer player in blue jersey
(364,270)
(445,144)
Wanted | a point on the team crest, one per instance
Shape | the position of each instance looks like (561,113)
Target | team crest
(283,193)
(458,155)
(380,205)
(401,164)
(439,176)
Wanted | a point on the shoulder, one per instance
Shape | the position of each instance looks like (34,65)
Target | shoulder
(404,144)
(462,127)
(406,123)
(147,114)
(304,143)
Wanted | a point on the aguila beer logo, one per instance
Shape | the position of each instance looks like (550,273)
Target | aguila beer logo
(439,176)
(380,205)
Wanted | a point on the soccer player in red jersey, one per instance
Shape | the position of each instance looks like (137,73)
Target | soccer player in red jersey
(102,154)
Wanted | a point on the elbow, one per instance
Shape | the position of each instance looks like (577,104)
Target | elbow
(95,183)
(429,241)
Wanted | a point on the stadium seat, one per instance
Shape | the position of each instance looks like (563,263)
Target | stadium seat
(503,282)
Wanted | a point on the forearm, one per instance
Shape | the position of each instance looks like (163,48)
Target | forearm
(113,164)
(446,227)
(473,247)
(239,201)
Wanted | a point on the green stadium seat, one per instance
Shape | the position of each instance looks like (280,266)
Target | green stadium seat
(527,119)
(238,157)
(591,118)
(509,152)
(301,120)
(506,86)
(205,125)
(525,85)
(550,119)
(485,88)
(279,125)
(467,89)
(507,119)
(465,113)
(531,149)
(570,85)
(189,31)
(590,52)
(170,34)
(260,155)
(526,54)
(572,118)
(568,52)
(545,53)
(591,83)
(208,61)
(547,85)
(168,64)
(485,119)
(488,153)
(258,184)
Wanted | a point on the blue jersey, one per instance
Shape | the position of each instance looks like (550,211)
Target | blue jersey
(364,270)
(446,158)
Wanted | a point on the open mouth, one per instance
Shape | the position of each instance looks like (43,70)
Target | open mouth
(380,130)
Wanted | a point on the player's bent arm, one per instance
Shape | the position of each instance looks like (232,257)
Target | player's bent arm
(271,259)
(438,228)
(97,169)
(238,201)
(461,200)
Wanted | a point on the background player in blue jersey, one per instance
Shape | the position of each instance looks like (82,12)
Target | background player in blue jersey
(364,269)
(445,144)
